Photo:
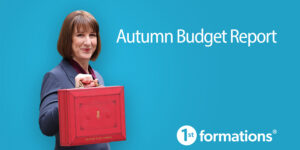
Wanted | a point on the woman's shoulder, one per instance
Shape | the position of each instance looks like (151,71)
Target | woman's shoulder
(56,72)
(52,80)
(61,69)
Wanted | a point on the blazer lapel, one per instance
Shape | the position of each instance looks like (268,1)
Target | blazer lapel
(69,70)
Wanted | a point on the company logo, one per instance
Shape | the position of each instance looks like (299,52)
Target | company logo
(187,135)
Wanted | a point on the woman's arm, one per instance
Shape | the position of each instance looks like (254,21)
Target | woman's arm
(48,118)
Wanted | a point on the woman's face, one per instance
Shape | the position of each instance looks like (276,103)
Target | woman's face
(84,44)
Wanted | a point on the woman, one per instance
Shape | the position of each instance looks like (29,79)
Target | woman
(78,43)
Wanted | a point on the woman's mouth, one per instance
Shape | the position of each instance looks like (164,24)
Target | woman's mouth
(86,49)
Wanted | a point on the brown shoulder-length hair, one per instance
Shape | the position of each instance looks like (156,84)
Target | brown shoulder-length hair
(80,20)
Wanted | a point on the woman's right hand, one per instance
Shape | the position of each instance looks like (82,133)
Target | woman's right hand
(85,81)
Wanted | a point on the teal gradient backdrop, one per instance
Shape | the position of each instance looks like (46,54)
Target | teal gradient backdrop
(224,88)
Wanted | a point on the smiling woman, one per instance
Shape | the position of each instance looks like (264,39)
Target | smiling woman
(79,24)
(83,45)
(78,43)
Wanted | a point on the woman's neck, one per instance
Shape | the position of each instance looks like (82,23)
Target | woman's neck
(83,63)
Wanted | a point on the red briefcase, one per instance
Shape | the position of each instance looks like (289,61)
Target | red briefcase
(91,115)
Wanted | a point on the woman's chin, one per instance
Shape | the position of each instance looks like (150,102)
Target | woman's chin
(85,58)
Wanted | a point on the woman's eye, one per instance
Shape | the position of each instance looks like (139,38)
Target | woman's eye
(79,35)
(93,34)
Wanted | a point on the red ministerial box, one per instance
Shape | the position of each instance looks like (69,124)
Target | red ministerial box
(91,115)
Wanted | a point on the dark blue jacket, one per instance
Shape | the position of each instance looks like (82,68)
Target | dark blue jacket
(61,77)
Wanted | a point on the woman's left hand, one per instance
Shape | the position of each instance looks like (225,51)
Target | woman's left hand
(85,81)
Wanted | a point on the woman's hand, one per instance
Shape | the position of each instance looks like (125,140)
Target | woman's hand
(85,81)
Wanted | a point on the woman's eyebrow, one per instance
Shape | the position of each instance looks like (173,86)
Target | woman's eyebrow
(84,32)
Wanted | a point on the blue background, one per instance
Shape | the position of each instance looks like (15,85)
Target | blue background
(224,88)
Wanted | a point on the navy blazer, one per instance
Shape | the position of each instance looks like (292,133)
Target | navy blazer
(61,77)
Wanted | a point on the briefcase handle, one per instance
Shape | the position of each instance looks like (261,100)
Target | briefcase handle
(82,86)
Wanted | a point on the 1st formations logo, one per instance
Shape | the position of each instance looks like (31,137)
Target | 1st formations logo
(187,135)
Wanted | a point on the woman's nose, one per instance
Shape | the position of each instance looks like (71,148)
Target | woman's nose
(87,40)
